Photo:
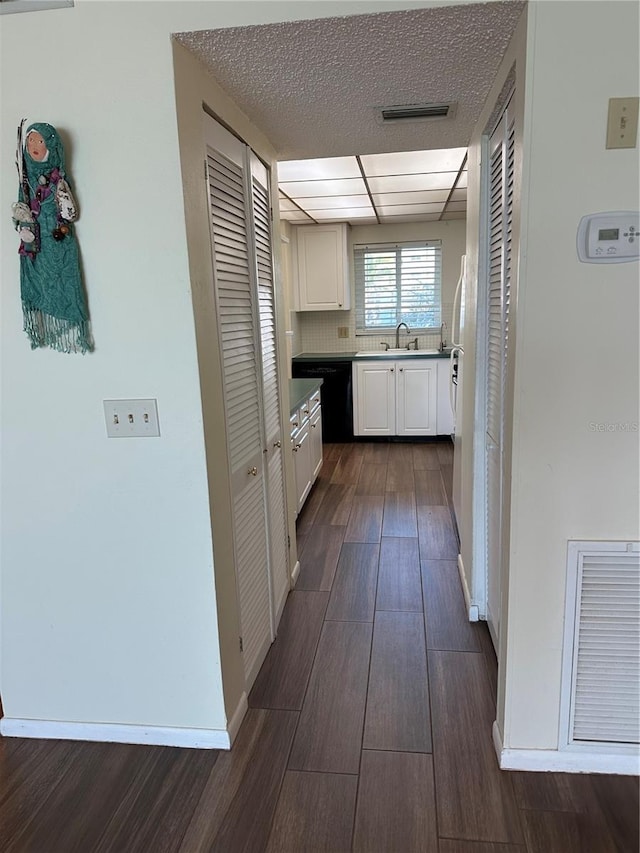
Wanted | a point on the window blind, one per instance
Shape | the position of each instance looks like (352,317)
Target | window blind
(398,282)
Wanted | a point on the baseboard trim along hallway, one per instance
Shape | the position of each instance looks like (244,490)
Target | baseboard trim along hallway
(576,760)
(118,733)
(473,611)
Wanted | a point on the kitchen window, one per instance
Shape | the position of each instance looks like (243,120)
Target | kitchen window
(398,282)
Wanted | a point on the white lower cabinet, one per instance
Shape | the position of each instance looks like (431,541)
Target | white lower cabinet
(395,397)
(306,446)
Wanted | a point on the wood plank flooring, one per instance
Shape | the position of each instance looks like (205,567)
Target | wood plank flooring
(369,726)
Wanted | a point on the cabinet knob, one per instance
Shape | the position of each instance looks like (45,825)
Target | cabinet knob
(277,444)
(295,423)
(401,369)
(392,370)
(339,304)
(313,426)
(306,411)
(253,471)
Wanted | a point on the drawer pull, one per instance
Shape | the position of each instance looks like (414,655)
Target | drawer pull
(253,471)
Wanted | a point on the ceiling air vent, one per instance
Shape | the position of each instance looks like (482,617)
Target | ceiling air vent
(413,112)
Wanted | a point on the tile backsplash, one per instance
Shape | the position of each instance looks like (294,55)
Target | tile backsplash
(317,331)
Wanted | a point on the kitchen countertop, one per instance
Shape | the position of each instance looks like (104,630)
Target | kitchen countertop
(300,390)
(374,354)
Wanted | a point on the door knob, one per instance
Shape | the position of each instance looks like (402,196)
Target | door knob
(253,471)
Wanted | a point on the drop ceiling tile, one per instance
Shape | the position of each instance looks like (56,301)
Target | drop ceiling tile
(402,209)
(286,204)
(457,205)
(413,162)
(332,201)
(321,169)
(459,195)
(416,217)
(455,215)
(295,216)
(463,180)
(412,183)
(424,197)
(343,214)
(305,189)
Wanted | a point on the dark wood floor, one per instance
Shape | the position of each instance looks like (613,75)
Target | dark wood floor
(369,726)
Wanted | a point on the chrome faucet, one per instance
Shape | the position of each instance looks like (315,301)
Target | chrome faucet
(443,343)
(398,333)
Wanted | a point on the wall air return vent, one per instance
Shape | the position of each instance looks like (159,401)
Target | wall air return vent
(601,666)
(415,112)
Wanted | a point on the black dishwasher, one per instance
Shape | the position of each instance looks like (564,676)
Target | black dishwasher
(335,395)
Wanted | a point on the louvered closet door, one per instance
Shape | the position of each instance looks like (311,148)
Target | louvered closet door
(276,506)
(237,328)
(502,163)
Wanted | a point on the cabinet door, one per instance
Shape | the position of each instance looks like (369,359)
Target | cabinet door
(302,463)
(322,268)
(374,398)
(316,442)
(416,397)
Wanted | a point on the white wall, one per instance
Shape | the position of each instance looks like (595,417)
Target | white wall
(108,595)
(319,329)
(577,344)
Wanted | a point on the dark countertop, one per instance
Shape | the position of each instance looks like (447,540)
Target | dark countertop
(300,390)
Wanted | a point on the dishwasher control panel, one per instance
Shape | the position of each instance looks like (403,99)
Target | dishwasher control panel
(609,238)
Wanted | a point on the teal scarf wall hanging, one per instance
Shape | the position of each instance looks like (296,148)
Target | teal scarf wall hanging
(54,304)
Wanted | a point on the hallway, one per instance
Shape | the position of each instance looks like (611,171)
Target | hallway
(369,726)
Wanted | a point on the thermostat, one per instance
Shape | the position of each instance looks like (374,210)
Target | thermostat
(609,238)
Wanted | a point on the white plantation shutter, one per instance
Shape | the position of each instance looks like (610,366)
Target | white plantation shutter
(605,688)
(278,536)
(398,282)
(237,320)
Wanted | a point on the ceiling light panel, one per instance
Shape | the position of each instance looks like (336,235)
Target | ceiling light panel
(344,213)
(411,217)
(307,189)
(426,197)
(332,201)
(413,162)
(316,170)
(295,216)
(401,209)
(409,183)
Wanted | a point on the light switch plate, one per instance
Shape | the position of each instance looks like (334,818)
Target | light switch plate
(131,418)
(622,123)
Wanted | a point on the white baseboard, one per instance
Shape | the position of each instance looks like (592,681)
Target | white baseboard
(564,761)
(233,725)
(472,609)
(116,733)
(295,573)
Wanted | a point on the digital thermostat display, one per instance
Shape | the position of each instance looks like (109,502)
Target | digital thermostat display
(611,237)
(608,233)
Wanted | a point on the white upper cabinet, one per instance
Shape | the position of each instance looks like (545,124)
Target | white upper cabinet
(321,268)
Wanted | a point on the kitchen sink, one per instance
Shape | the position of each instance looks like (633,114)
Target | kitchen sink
(402,353)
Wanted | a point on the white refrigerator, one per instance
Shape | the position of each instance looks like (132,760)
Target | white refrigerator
(456,379)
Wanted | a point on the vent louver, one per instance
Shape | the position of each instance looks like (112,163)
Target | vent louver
(415,111)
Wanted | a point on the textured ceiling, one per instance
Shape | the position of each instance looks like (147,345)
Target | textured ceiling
(313,86)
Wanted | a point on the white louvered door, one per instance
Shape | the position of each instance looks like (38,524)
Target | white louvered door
(273,449)
(237,319)
(602,643)
(500,216)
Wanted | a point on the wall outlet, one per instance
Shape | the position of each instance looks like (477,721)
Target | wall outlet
(343,331)
(131,418)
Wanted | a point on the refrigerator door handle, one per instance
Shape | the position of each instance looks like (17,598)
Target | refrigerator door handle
(456,300)
(453,381)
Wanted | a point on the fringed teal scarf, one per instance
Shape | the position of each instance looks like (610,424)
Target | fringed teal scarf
(53,298)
